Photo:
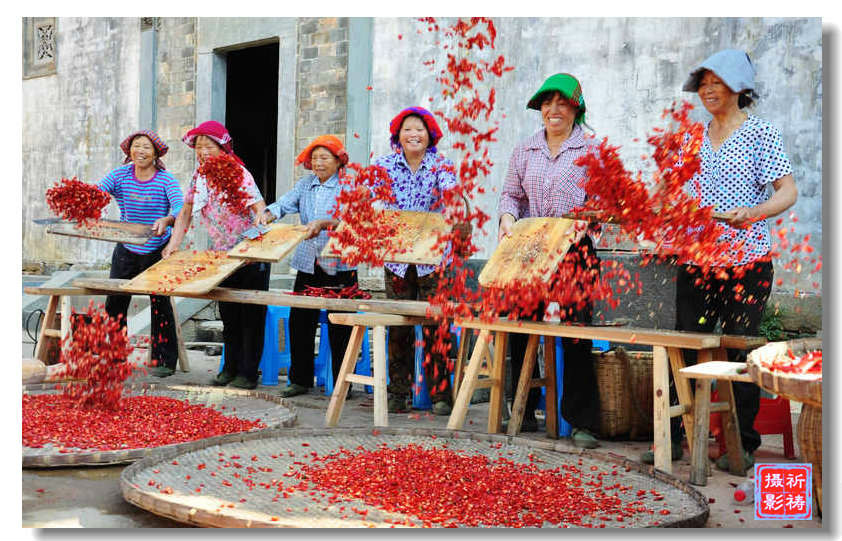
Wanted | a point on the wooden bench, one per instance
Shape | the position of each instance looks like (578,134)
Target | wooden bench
(667,354)
(378,323)
(52,331)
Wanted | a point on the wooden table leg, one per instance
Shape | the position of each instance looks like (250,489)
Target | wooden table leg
(551,387)
(43,335)
(523,385)
(340,390)
(731,428)
(183,360)
(381,413)
(685,393)
(461,358)
(466,389)
(661,407)
(66,309)
(497,396)
(699,450)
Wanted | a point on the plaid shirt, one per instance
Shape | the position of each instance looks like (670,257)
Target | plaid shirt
(417,191)
(312,200)
(538,185)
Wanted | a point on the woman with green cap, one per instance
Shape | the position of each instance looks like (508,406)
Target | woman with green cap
(741,156)
(543,181)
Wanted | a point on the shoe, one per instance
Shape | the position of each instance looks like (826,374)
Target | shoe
(242,382)
(723,465)
(162,371)
(648,457)
(442,408)
(583,439)
(398,404)
(222,379)
(293,389)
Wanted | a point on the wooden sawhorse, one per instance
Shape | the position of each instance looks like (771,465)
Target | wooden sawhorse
(667,354)
(346,376)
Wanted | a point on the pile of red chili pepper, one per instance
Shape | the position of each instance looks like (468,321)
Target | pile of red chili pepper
(352,291)
(137,422)
(447,488)
(76,201)
(225,180)
(809,363)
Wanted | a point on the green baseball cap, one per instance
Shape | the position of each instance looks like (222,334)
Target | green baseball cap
(565,84)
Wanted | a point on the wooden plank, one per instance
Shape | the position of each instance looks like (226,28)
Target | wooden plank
(52,333)
(532,252)
(106,286)
(675,411)
(43,337)
(187,271)
(682,388)
(459,365)
(551,386)
(272,246)
(466,390)
(718,370)
(383,320)
(732,341)
(381,413)
(628,335)
(699,450)
(359,378)
(661,398)
(498,375)
(523,385)
(414,242)
(107,230)
(60,291)
(731,429)
(340,390)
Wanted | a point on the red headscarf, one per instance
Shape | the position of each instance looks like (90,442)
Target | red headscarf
(330,142)
(426,117)
(215,131)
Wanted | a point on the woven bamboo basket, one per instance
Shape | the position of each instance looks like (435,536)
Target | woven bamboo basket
(801,388)
(641,394)
(612,376)
(810,444)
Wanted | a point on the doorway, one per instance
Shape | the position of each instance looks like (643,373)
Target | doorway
(251,111)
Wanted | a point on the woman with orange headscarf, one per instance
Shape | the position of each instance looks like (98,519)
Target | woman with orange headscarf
(314,199)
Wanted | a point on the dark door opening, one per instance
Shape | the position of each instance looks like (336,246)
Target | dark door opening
(251,112)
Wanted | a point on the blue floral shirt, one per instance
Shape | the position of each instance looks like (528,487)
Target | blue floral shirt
(312,200)
(737,175)
(417,191)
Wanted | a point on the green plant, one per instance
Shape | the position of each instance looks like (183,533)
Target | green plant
(771,323)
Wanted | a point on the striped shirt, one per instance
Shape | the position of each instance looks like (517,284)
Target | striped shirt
(417,191)
(312,200)
(144,201)
(538,185)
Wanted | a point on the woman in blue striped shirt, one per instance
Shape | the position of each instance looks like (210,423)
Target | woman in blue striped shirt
(314,198)
(147,194)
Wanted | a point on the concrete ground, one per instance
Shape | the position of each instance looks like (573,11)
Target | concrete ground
(89,497)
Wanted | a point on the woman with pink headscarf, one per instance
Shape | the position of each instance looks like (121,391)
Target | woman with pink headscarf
(243,324)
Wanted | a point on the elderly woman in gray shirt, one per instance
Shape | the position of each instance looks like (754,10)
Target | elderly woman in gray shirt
(314,198)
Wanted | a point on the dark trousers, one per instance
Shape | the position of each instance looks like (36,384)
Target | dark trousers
(580,392)
(126,264)
(243,324)
(402,340)
(303,323)
(737,303)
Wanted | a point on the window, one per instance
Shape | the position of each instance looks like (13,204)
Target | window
(39,46)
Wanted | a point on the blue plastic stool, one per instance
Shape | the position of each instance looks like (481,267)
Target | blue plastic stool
(271,360)
(420,394)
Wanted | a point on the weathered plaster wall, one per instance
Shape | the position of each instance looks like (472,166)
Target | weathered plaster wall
(630,70)
(73,123)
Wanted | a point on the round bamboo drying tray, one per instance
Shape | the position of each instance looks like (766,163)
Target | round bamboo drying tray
(273,411)
(810,445)
(801,388)
(196,487)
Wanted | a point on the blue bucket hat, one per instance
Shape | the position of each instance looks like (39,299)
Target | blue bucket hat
(733,66)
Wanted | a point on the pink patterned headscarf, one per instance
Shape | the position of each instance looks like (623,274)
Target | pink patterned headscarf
(216,132)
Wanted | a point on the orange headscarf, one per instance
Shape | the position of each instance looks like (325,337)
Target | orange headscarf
(330,142)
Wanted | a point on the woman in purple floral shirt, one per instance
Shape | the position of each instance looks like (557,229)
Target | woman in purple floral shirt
(419,174)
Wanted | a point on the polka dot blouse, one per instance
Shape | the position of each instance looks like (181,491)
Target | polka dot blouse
(737,175)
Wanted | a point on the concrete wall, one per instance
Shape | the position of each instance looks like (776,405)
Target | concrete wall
(630,70)
(73,123)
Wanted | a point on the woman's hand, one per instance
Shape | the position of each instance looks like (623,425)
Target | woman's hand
(168,250)
(315,227)
(505,229)
(159,227)
(263,218)
(740,217)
